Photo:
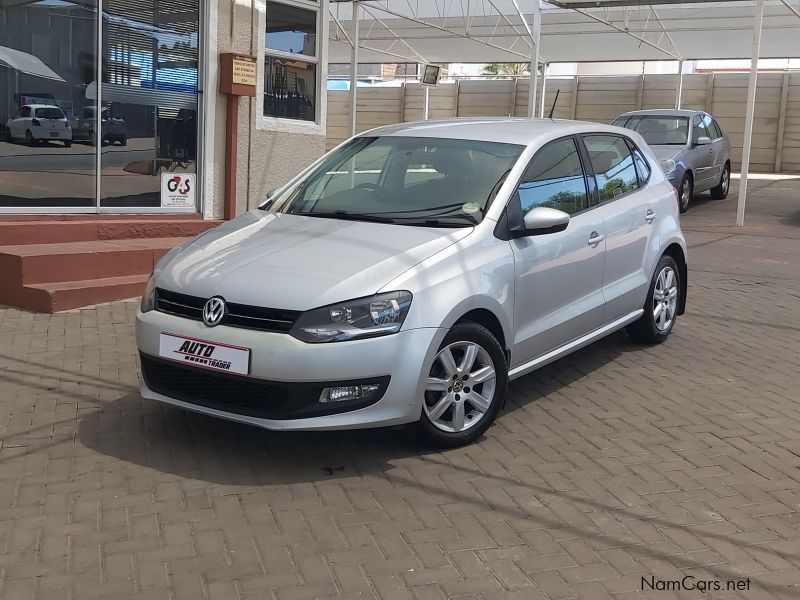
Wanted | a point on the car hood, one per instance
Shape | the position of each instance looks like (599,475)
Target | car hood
(294,262)
(666,152)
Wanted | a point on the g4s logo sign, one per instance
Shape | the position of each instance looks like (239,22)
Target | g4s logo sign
(177,190)
(178,184)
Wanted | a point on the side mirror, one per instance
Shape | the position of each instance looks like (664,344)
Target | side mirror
(543,219)
(702,141)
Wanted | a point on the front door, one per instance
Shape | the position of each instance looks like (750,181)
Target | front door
(558,294)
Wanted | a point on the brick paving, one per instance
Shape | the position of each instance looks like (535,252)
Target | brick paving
(612,465)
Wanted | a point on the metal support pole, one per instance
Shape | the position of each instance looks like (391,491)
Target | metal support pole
(544,83)
(354,71)
(679,88)
(536,30)
(426,102)
(751,110)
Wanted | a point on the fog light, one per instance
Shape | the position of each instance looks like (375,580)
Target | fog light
(348,392)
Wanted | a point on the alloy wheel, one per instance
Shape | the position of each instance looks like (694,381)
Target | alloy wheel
(726,181)
(665,299)
(686,193)
(460,388)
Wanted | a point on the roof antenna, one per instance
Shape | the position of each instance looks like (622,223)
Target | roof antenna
(552,108)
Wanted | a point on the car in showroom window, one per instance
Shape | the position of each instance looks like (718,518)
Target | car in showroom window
(408,275)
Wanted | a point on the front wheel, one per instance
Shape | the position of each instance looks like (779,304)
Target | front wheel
(661,305)
(685,193)
(29,139)
(465,388)
(67,143)
(720,192)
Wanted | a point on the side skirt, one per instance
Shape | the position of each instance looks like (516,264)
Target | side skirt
(580,342)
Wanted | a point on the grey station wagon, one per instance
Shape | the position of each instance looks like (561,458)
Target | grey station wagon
(691,148)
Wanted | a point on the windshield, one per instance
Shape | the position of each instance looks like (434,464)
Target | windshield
(50,113)
(659,130)
(405,180)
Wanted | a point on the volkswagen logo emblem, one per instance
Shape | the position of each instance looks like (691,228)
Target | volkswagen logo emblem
(213,311)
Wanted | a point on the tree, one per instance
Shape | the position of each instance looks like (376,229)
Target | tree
(508,69)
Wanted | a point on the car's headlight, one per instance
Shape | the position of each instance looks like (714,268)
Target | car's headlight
(668,166)
(372,316)
(149,296)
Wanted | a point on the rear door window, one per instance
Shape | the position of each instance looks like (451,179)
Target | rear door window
(613,165)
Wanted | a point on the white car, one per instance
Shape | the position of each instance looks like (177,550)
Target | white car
(40,122)
(409,274)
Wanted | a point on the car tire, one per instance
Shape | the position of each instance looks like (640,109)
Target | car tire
(720,192)
(67,143)
(685,192)
(454,412)
(661,305)
(123,141)
(93,139)
(31,141)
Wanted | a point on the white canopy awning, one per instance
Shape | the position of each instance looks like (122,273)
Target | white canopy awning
(26,63)
(442,31)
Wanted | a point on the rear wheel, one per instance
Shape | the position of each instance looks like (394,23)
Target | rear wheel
(685,193)
(661,305)
(67,143)
(720,192)
(29,138)
(465,388)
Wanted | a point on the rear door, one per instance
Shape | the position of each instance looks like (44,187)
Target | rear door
(628,212)
(558,293)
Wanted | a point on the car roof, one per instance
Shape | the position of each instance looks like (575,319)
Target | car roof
(41,106)
(511,130)
(664,112)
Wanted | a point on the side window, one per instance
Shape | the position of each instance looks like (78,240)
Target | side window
(715,129)
(613,165)
(620,121)
(709,124)
(555,178)
(698,129)
(25,111)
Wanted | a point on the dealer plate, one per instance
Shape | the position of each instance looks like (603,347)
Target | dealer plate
(204,354)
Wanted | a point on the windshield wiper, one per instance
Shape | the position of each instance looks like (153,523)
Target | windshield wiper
(346,216)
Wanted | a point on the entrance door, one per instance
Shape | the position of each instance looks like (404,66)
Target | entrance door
(149,97)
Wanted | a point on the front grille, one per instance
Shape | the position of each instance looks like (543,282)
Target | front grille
(238,315)
(245,395)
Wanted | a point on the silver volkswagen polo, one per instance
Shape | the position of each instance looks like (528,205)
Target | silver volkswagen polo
(410,273)
(691,148)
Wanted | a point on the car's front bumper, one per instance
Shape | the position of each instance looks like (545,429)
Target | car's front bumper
(278,362)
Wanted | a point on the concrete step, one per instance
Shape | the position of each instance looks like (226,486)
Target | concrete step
(24,265)
(28,232)
(52,297)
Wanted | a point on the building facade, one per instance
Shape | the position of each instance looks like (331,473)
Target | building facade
(104,104)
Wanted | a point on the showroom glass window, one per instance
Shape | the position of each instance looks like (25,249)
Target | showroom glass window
(291,61)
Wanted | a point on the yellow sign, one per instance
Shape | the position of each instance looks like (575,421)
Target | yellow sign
(244,72)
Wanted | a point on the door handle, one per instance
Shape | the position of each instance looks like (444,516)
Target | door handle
(650,216)
(595,238)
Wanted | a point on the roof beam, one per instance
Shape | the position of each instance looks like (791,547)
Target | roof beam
(674,53)
(388,11)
